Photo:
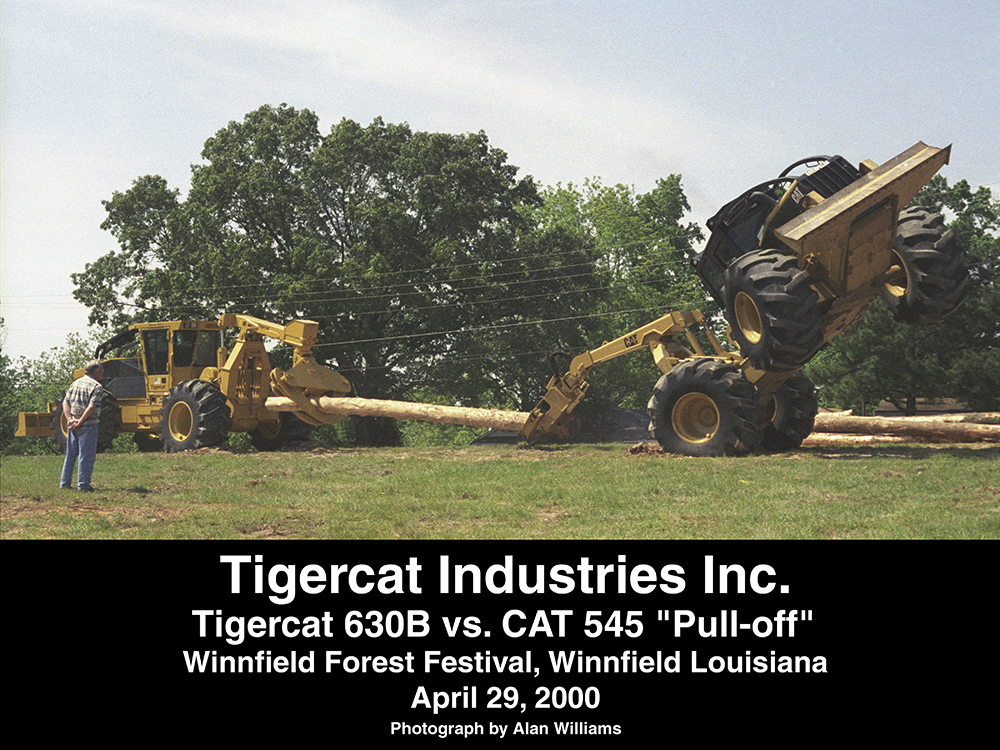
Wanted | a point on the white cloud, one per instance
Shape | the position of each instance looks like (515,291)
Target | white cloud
(562,125)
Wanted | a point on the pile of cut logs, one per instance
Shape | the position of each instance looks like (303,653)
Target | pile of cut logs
(944,428)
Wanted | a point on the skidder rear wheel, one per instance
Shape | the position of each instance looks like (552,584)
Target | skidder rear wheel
(194,414)
(705,407)
(60,431)
(110,423)
(773,311)
(791,414)
(928,280)
(268,436)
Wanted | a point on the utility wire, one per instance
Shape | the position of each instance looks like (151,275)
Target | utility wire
(479,329)
(216,288)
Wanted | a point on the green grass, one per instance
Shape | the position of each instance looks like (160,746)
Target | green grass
(562,492)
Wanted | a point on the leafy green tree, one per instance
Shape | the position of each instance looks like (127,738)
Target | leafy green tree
(29,384)
(8,396)
(959,358)
(639,242)
(402,244)
(641,251)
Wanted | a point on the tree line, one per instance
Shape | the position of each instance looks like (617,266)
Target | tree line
(438,274)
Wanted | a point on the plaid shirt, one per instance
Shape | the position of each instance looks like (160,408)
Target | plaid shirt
(83,393)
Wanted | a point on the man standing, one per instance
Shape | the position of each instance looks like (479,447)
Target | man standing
(82,408)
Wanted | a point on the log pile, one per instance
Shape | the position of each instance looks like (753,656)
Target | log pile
(951,428)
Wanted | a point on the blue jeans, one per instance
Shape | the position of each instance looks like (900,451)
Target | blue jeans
(81,444)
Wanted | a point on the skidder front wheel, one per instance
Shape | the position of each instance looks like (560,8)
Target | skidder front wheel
(928,280)
(705,407)
(60,430)
(773,311)
(791,414)
(194,414)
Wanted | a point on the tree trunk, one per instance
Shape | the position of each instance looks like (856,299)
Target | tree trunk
(370,409)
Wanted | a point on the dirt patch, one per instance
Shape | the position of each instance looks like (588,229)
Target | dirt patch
(298,446)
(22,508)
(988,495)
(261,530)
(645,449)
(552,514)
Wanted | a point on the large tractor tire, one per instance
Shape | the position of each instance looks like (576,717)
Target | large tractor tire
(930,279)
(109,424)
(791,414)
(773,311)
(705,407)
(194,415)
(58,425)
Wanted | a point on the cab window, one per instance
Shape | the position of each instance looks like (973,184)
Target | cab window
(155,350)
(184,348)
(205,351)
(745,234)
(195,348)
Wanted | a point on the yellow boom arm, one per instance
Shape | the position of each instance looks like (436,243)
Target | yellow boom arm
(306,379)
(552,414)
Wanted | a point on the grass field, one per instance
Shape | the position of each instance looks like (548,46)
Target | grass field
(561,492)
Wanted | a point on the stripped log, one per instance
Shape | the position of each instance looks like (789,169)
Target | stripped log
(937,430)
(976,417)
(497,419)
(982,417)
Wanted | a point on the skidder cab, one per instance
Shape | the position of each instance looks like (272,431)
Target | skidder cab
(738,227)
(174,385)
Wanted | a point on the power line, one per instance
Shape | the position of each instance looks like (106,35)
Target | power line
(499,326)
(216,288)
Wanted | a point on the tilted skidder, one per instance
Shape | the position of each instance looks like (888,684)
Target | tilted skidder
(175,385)
(796,260)
(793,262)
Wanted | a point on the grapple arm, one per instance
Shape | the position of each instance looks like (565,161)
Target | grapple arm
(552,415)
(307,378)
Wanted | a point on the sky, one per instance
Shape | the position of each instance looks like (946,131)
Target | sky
(96,93)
